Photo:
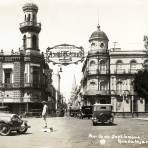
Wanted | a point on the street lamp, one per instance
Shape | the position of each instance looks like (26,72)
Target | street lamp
(58,91)
(132,106)
(59,77)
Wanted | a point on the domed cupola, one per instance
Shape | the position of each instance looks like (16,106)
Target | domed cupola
(99,40)
(30,7)
(98,35)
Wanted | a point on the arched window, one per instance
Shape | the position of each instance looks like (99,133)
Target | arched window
(92,63)
(102,86)
(92,67)
(25,17)
(28,18)
(33,18)
(119,66)
(92,85)
(93,44)
(24,41)
(103,67)
(102,45)
(34,42)
(133,66)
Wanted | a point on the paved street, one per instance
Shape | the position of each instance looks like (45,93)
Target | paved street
(78,133)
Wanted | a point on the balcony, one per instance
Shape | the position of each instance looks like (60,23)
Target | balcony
(119,71)
(19,85)
(133,71)
(19,100)
(96,92)
(30,26)
(92,72)
(12,100)
(32,85)
(126,71)
(32,99)
(103,92)
(11,85)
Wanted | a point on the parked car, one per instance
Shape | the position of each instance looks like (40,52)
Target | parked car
(75,113)
(12,122)
(86,111)
(102,113)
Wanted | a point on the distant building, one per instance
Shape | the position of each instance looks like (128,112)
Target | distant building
(23,74)
(108,75)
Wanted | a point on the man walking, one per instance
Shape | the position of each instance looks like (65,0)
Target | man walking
(45,112)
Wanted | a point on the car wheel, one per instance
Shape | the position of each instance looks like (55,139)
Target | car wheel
(22,130)
(4,129)
(94,124)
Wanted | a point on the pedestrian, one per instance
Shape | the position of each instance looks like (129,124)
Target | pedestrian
(44,113)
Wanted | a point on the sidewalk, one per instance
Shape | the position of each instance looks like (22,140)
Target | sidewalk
(146,119)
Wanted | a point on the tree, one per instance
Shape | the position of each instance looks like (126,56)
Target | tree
(141,83)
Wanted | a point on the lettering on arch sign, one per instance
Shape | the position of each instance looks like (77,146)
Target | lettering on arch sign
(64,54)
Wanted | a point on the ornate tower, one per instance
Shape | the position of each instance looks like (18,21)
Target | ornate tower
(98,41)
(96,69)
(30,29)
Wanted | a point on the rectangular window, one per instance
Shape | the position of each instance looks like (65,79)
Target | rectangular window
(36,75)
(8,73)
(25,77)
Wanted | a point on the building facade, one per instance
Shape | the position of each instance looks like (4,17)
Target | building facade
(108,75)
(23,74)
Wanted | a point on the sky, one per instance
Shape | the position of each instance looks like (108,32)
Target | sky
(73,22)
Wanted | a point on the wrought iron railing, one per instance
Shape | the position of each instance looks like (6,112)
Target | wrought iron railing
(20,85)
(30,23)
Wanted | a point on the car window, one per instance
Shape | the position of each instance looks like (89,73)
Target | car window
(98,108)
(103,107)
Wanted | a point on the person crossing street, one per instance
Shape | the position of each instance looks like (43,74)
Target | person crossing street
(45,113)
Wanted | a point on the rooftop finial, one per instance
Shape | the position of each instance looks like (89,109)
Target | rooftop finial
(98,26)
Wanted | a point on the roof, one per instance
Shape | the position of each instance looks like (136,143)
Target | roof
(98,34)
(30,6)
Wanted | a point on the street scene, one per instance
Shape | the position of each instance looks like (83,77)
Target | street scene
(72,132)
(73,74)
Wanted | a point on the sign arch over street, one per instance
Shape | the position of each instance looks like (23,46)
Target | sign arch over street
(65,54)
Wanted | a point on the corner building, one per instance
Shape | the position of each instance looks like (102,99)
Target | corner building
(108,75)
(23,73)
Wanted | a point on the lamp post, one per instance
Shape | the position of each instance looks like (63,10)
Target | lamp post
(58,91)
(132,106)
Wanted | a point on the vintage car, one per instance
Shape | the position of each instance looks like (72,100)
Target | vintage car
(75,113)
(86,111)
(102,113)
(12,122)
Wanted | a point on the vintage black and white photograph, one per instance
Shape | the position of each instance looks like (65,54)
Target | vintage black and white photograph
(74,74)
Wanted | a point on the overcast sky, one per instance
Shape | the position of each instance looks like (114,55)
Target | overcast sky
(73,21)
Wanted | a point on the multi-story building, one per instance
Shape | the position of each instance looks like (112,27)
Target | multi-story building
(108,75)
(23,73)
